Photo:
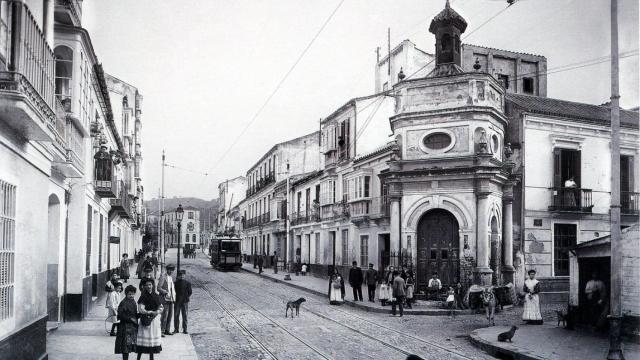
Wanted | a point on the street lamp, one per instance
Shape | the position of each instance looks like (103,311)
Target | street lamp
(179,214)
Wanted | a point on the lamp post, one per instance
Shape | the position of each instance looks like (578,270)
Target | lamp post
(179,214)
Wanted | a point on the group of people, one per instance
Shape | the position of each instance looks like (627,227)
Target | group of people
(395,287)
(139,326)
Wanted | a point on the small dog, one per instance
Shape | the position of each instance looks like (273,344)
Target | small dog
(562,318)
(294,305)
(507,335)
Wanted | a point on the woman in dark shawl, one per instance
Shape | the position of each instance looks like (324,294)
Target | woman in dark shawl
(149,332)
(128,325)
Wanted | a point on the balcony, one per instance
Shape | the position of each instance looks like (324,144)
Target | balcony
(258,220)
(121,205)
(27,87)
(369,208)
(261,184)
(629,202)
(335,211)
(305,217)
(571,200)
(68,12)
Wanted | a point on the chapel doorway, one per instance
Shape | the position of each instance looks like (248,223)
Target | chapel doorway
(438,246)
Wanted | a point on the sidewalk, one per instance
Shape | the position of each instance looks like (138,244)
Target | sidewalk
(89,339)
(320,287)
(547,342)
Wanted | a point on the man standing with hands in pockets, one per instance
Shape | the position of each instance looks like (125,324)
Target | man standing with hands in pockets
(183,293)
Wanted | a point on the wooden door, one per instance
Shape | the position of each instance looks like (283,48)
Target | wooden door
(438,247)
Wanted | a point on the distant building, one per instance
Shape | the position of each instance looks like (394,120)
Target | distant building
(264,208)
(189,228)
(230,193)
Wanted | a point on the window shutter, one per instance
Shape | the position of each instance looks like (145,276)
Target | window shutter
(557,168)
(577,165)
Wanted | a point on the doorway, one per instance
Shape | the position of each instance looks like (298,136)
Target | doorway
(384,251)
(438,245)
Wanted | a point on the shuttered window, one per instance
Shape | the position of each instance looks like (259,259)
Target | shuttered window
(7,248)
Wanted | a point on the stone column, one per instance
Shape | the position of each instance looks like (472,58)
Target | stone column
(482,271)
(394,242)
(49,8)
(507,241)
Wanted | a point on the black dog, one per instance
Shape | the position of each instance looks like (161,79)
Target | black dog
(507,335)
(294,305)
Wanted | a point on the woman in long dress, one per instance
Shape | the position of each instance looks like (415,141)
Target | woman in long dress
(531,313)
(149,339)
(113,300)
(128,326)
(409,291)
(336,289)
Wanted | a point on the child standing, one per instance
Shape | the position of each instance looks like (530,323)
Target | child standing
(128,325)
(451,301)
(304,269)
(409,291)
(113,300)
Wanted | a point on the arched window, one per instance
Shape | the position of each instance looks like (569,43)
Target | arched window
(64,72)
(446,42)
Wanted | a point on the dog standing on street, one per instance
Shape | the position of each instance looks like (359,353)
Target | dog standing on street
(294,305)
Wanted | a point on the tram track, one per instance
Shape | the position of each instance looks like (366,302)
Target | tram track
(262,345)
(404,335)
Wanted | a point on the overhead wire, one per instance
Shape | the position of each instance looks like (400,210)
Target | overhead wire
(275,90)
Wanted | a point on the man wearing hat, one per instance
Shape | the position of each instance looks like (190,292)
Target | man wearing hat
(183,293)
(168,293)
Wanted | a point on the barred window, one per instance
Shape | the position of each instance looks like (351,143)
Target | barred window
(364,250)
(7,248)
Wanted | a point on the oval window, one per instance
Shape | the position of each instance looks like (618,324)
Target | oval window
(495,144)
(437,141)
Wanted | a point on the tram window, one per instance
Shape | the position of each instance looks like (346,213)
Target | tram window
(434,254)
(444,254)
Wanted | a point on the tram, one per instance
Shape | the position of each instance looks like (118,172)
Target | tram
(225,253)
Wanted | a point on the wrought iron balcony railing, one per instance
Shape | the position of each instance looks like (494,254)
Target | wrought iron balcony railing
(571,200)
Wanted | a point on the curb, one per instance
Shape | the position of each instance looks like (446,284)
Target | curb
(432,312)
(500,352)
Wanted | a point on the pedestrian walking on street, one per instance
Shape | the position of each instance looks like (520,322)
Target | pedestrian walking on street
(371,278)
(255,260)
(336,288)
(149,329)
(260,263)
(355,280)
(183,293)
(128,325)
(596,292)
(113,300)
(124,267)
(168,293)
(139,271)
(398,293)
(531,314)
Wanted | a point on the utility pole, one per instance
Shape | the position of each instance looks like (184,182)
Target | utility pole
(287,242)
(615,316)
(162,259)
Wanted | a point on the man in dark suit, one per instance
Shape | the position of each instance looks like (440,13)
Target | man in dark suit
(355,280)
(371,278)
(260,263)
(183,293)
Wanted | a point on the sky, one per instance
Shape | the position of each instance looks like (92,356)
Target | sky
(205,68)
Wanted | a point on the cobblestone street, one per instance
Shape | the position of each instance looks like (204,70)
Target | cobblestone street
(239,315)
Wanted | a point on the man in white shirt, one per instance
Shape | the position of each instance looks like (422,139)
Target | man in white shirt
(434,286)
(168,293)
